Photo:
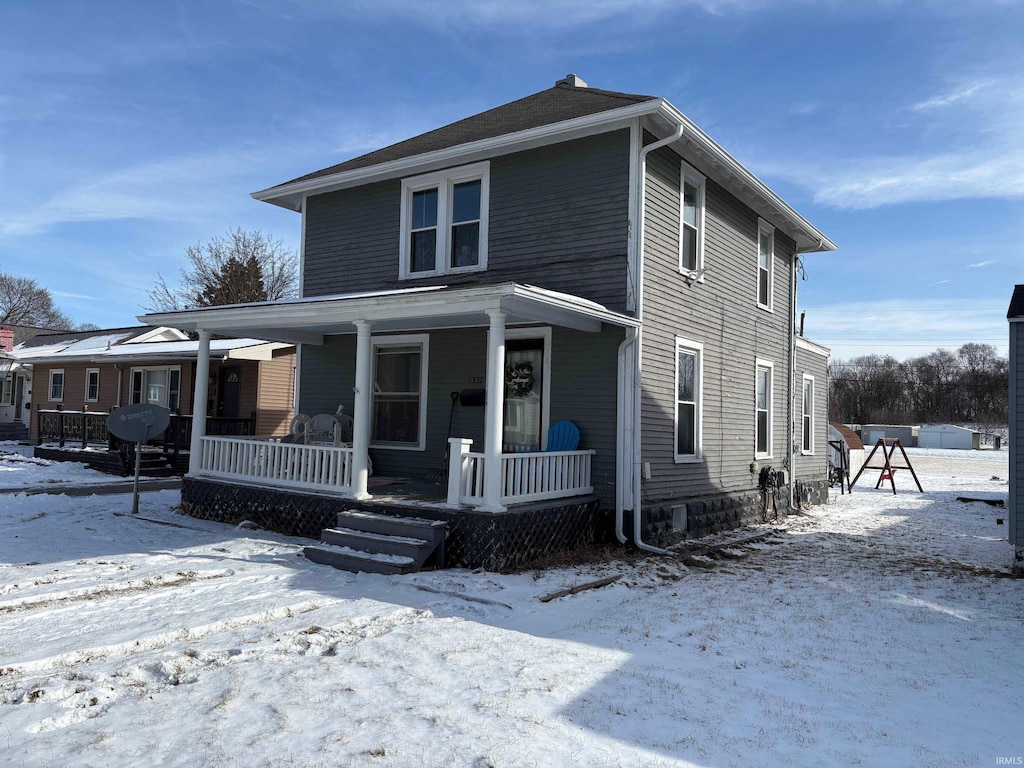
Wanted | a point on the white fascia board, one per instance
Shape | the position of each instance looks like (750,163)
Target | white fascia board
(258,352)
(814,240)
(812,347)
(289,195)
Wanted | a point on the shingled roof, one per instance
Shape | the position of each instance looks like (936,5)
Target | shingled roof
(562,102)
(1016,303)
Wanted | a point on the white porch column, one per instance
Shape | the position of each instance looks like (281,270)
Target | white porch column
(361,411)
(494,416)
(200,388)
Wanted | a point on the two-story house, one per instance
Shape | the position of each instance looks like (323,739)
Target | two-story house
(577,255)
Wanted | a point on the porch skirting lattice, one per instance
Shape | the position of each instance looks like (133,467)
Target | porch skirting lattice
(499,542)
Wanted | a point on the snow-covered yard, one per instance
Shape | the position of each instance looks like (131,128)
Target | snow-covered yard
(877,630)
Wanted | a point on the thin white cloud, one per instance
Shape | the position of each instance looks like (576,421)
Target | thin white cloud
(990,114)
(981,264)
(946,99)
(905,327)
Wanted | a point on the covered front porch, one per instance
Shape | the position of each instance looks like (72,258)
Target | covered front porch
(458,386)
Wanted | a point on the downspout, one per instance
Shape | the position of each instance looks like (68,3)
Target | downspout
(624,440)
(638,344)
(120,373)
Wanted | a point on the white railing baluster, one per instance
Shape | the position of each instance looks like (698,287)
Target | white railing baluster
(312,467)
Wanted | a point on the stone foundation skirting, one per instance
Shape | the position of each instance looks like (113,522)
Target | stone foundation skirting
(499,542)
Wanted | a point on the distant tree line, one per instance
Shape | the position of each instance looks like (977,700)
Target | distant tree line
(969,386)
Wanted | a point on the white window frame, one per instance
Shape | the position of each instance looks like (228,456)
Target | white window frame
(404,340)
(444,182)
(7,389)
(770,367)
(696,348)
(142,369)
(764,228)
(63,380)
(807,418)
(688,173)
(88,373)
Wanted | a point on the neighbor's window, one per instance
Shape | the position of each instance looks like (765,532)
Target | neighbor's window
(398,415)
(444,221)
(807,438)
(158,386)
(763,410)
(691,235)
(92,385)
(56,385)
(765,263)
(7,390)
(688,400)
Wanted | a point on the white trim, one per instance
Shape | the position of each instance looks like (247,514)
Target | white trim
(89,371)
(688,173)
(697,349)
(804,413)
(398,340)
(445,182)
(764,228)
(63,381)
(633,235)
(543,333)
(302,244)
(759,363)
(812,347)
(7,389)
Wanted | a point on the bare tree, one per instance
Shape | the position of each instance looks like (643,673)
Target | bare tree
(237,268)
(24,302)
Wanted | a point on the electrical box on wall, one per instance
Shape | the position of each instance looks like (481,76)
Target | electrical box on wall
(782,477)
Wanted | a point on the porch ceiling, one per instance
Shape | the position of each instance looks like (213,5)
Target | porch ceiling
(310,320)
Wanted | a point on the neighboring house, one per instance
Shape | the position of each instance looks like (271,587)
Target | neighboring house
(948,436)
(82,376)
(870,434)
(579,254)
(15,390)
(1015,315)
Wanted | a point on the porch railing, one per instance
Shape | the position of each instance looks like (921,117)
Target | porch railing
(77,427)
(310,467)
(525,477)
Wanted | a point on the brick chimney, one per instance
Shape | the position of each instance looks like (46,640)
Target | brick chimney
(6,339)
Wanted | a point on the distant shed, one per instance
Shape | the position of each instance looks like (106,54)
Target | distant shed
(852,446)
(948,436)
(1016,512)
(872,433)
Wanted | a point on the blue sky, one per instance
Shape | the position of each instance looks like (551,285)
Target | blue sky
(129,131)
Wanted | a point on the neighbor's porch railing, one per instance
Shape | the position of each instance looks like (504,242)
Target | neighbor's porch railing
(77,427)
(261,459)
(525,477)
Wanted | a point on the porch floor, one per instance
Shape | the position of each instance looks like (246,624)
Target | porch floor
(406,491)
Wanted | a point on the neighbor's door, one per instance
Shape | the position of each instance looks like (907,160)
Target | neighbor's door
(230,391)
(19,396)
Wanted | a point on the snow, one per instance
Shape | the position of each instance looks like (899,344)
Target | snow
(875,630)
(18,469)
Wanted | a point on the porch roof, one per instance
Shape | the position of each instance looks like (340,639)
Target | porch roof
(309,320)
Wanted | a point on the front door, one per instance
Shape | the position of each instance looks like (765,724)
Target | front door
(19,396)
(525,386)
(229,391)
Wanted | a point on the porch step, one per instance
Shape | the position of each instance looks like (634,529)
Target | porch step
(366,541)
(13,431)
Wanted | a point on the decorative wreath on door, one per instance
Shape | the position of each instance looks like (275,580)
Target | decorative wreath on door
(519,379)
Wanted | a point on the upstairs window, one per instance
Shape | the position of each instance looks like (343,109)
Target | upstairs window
(691,234)
(763,410)
(444,222)
(56,385)
(765,263)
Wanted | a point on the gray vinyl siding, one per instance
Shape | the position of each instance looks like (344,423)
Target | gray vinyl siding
(1016,514)
(721,313)
(583,390)
(815,466)
(558,219)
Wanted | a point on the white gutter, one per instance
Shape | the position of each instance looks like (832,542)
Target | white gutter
(638,343)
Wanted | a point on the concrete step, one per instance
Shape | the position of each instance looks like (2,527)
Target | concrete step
(418,549)
(348,559)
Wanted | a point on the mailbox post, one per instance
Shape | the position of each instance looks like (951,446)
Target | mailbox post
(137,424)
